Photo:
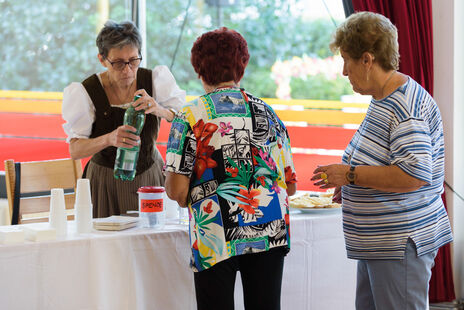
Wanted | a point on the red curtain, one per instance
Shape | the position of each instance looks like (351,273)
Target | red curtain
(414,22)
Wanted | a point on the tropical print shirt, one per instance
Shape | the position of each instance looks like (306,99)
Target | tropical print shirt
(237,154)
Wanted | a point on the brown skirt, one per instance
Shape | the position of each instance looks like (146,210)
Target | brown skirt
(112,196)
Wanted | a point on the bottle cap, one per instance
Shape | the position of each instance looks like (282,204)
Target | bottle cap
(151,189)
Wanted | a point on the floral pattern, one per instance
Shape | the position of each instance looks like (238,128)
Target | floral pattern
(237,153)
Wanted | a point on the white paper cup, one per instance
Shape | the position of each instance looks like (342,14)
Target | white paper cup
(83,206)
(83,196)
(58,217)
(83,218)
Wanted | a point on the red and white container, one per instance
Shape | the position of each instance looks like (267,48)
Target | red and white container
(151,206)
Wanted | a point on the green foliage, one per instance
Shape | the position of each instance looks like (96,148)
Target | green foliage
(319,87)
(48,44)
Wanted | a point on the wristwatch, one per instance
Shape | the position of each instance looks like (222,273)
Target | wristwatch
(351,175)
(174,112)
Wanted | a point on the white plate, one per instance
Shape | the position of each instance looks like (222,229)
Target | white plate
(318,210)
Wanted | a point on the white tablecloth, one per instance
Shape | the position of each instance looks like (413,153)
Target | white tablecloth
(147,269)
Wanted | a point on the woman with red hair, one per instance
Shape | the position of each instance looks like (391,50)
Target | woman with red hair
(229,161)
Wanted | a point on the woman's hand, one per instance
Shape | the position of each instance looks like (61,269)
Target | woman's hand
(147,103)
(123,136)
(330,176)
(337,195)
(384,178)
(150,106)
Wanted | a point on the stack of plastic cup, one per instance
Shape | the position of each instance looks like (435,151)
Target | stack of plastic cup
(171,208)
(183,215)
(83,206)
(58,217)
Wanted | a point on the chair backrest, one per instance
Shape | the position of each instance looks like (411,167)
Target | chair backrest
(36,180)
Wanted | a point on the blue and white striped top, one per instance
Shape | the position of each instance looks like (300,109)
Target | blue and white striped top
(403,129)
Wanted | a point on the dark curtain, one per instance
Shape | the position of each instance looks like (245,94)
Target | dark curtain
(414,22)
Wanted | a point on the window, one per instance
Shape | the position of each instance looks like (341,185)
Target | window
(288,43)
(47,44)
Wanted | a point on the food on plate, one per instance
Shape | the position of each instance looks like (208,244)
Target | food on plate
(308,200)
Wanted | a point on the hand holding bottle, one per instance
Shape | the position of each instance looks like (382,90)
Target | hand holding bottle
(124,136)
(147,103)
(127,155)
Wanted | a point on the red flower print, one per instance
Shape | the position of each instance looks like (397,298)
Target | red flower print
(195,245)
(287,223)
(198,129)
(233,171)
(201,131)
(252,203)
(261,179)
(203,159)
(207,209)
(290,176)
(203,134)
(255,153)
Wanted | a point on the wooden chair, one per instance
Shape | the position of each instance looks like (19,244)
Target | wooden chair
(37,178)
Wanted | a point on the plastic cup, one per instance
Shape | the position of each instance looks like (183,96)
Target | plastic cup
(171,208)
(83,206)
(58,217)
(183,215)
(83,196)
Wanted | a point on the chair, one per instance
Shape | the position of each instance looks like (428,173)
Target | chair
(36,180)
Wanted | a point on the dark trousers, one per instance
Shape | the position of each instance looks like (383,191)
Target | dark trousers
(261,275)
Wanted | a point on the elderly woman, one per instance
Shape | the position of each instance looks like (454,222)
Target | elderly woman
(94,111)
(391,176)
(229,161)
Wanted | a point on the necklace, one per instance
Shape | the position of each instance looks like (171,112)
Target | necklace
(122,101)
(385,84)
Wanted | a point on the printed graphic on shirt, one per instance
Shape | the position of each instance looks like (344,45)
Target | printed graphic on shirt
(238,155)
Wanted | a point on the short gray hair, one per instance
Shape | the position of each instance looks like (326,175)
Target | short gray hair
(118,35)
(368,32)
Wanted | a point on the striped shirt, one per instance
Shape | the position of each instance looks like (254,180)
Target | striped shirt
(403,129)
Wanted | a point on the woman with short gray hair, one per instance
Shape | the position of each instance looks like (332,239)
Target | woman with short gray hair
(94,111)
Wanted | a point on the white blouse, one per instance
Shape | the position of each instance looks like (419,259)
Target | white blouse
(78,109)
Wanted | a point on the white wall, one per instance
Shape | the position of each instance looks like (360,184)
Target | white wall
(448,35)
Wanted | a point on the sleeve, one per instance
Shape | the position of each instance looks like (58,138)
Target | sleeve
(77,111)
(182,146)
(167,92)
(411,148)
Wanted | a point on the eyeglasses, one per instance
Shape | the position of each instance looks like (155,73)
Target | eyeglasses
(120,65)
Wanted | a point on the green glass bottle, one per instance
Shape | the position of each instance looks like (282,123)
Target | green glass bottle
(126,158)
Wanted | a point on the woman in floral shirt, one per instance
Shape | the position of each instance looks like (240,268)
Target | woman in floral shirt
(229,161)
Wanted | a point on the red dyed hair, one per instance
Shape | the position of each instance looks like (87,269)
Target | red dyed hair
(220,56)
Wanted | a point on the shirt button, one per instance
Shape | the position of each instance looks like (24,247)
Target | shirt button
(105,113)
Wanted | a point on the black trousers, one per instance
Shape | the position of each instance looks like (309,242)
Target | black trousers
(261,275)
